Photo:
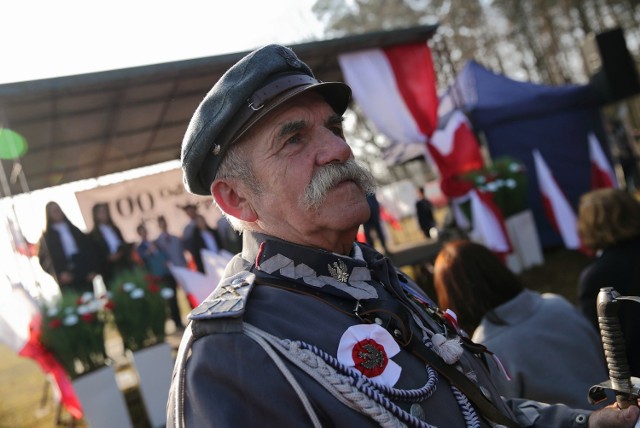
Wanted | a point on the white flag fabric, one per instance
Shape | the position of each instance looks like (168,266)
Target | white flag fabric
(395,87)
(215,262)
(196,285)
(556,205)
(17,309)
(488,225)
(602,174)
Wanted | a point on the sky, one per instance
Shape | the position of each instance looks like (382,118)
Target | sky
(41,39)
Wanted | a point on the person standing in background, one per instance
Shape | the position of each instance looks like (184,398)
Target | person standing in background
(67,253)
(202,237)
(191,210)
(374,224)
(156,261)
(609,225)
(170,244)
(424,212)
(116,252)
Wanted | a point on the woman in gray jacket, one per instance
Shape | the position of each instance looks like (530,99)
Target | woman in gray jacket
(549,350)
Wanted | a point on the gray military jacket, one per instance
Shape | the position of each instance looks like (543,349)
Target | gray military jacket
(262,349)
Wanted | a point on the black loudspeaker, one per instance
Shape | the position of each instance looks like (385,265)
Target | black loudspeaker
(613,70)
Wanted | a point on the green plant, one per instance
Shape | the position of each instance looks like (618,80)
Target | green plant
(73,330)
(505,179)
(138,304)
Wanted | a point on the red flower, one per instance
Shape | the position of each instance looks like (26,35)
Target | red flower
(110,305)
(154,288)
(88,317)
(79,301)
(55,323)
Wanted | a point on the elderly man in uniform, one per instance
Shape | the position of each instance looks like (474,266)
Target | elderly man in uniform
(308,327)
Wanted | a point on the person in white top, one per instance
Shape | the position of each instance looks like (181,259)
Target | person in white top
(116,252)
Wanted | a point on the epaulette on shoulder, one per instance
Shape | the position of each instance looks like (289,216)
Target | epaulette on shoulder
(228,300)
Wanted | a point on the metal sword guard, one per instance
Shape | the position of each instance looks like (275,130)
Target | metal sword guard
(625,387)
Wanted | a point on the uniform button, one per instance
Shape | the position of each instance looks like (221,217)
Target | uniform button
(237,281)
(378,321)
(397,333)
(417,411)
(581,419)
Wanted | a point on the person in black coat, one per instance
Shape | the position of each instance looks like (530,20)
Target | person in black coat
(66,253)
(424,212)
(115,252)
(202,236)
(374,223)
(609,224)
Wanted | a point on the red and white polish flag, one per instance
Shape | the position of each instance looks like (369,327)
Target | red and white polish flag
(488,223)
(455,150)
(395,87)
(20,329)
(602,174)
(556,205)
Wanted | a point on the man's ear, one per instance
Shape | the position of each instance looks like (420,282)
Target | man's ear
(231,198)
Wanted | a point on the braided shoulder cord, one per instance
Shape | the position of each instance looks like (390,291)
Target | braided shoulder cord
(410,395)
(468,412)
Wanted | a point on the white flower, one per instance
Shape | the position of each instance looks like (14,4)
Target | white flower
(95,305)
(71,319)
(368,348)
(68,310)
(493,186)
(138,293)
(128,286)
(86,297)
(514,167)
(83,309)
(52,311)
(511,183)
(166,293)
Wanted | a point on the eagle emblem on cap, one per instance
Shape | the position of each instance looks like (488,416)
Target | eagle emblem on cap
(339,271)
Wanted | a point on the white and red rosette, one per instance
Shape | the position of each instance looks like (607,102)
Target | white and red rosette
(369,348)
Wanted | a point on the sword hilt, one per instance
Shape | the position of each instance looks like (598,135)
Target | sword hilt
(620,380)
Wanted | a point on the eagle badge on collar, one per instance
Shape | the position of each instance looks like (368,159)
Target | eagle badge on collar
(339,271)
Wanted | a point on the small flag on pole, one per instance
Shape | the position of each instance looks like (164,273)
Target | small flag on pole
(556,206)
(602,174)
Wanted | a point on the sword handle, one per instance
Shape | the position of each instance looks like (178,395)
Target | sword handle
(614,347)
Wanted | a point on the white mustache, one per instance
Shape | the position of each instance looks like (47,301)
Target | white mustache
(333,174)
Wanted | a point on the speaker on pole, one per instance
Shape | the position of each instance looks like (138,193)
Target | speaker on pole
(613,70)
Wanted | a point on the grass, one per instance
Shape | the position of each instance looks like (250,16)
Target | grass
(22,383)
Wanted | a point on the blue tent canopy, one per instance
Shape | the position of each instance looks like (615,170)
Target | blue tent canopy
(516,117)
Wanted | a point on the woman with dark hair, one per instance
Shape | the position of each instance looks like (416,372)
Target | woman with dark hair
(66,253)
(609,225)
(548,348)
(116,253)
